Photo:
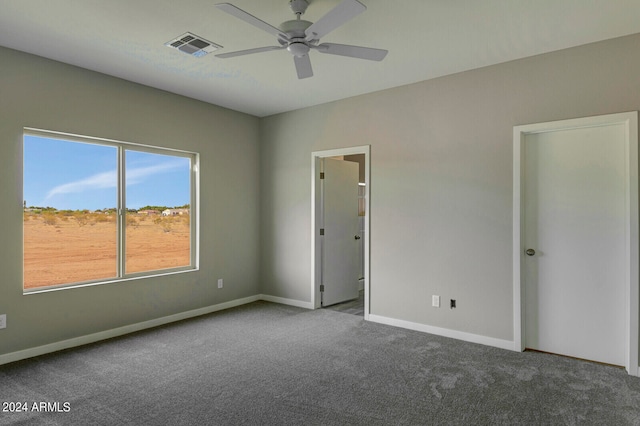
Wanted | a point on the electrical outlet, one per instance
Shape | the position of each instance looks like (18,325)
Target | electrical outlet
(452,305)
(220,283)
(435,301)
(3,321)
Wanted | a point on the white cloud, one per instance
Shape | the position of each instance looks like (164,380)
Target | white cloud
(109,179)
(137,175)
(98,181)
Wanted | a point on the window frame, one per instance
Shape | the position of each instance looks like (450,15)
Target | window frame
(121,209)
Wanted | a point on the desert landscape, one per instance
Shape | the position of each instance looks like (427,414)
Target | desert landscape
(72,246)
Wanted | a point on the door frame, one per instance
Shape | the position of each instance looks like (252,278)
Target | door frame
(630,121)
(316,216)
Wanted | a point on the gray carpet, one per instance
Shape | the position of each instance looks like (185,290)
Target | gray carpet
(269,364)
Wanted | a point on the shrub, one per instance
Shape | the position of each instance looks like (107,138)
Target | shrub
(102,218)
(132,222)
(49,218)
(82,219)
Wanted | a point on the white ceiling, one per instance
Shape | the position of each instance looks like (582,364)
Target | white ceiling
(425,39)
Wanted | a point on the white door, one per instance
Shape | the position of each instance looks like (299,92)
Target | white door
(340,245)
(575,222)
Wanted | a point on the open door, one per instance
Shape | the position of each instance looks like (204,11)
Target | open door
(340,269)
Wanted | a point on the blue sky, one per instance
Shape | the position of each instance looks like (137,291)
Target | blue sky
(78,176)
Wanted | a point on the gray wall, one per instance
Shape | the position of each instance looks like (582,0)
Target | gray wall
(441,172)
(40,93)
(441,157)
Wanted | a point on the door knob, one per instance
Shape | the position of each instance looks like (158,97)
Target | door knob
(530,252)
(357,237)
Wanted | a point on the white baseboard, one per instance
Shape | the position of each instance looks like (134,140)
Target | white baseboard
(108,334)
(445,332)
(283,301)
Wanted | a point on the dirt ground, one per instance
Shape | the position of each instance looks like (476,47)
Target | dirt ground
(69,249)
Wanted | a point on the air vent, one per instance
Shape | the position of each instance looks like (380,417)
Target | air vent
(193,45)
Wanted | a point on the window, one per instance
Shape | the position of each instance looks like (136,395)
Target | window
(99,210)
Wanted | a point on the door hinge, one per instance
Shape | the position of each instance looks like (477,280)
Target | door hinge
(321,231)
(321,288)
(321,175)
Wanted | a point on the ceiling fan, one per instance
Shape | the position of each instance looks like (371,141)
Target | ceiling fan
(299,37)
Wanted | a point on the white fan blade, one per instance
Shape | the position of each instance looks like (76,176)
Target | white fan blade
(250,51)
(303,66)
(248,18)
(352,51)
(337,16)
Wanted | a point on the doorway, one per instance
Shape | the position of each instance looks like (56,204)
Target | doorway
(359,236)
(576,238)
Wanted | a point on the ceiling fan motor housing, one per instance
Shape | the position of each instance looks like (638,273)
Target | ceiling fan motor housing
(295,31)
(295,28)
